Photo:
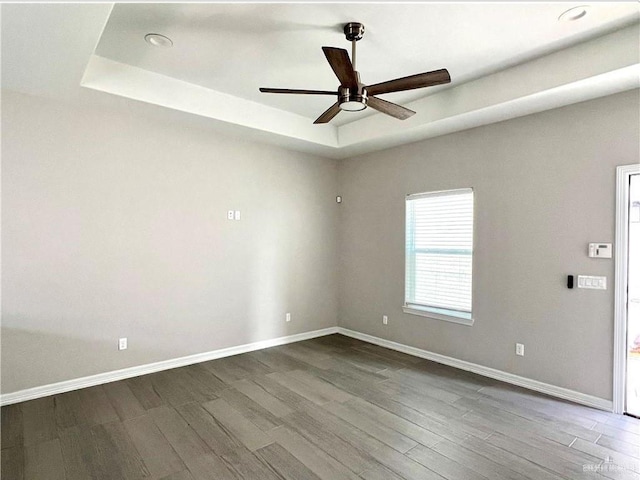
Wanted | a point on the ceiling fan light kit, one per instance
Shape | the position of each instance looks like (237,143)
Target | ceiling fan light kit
(352,101)
(352,94)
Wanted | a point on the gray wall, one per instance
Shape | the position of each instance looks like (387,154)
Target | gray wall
(114,225)
(544,188)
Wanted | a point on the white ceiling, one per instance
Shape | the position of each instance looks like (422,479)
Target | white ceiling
(505,59)
(236,48)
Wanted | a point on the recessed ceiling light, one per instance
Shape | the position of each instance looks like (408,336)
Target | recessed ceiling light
(575,13)
(158,40)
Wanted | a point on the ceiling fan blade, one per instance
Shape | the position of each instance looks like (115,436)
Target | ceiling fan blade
(389,108)
(301,92)
(339,60)
(437,77)
(331,112)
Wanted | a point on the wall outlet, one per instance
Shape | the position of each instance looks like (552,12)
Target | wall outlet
(122,344)
(287,317)
(385,320)
(230,215)
(520,349)
(236,215)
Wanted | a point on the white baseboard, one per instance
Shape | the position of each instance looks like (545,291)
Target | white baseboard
(559,392)
(101,378)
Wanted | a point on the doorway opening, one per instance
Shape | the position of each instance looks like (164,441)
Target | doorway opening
(626,378)
(633,299)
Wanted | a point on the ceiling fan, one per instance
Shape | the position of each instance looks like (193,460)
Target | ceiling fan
(352,94)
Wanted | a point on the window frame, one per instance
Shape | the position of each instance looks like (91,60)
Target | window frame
(462,318)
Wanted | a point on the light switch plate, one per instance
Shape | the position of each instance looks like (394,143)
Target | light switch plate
(595,283)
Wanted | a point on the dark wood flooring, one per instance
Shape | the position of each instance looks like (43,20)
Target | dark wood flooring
(331,408)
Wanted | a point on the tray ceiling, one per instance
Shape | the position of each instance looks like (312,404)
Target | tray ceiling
(505,59)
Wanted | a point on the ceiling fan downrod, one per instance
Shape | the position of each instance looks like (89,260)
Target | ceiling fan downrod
(353,98)
(354,31)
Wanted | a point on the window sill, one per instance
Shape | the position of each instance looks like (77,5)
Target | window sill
(425,312)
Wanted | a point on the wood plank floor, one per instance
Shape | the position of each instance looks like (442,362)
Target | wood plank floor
(331,408)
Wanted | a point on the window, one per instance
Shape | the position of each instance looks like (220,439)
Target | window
(439,253)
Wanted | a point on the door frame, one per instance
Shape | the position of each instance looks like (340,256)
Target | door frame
(623,176)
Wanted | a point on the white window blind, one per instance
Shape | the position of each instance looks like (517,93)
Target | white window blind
(439,250)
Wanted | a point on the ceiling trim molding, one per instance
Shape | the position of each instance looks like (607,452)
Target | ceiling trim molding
(136,83)
(627,78)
